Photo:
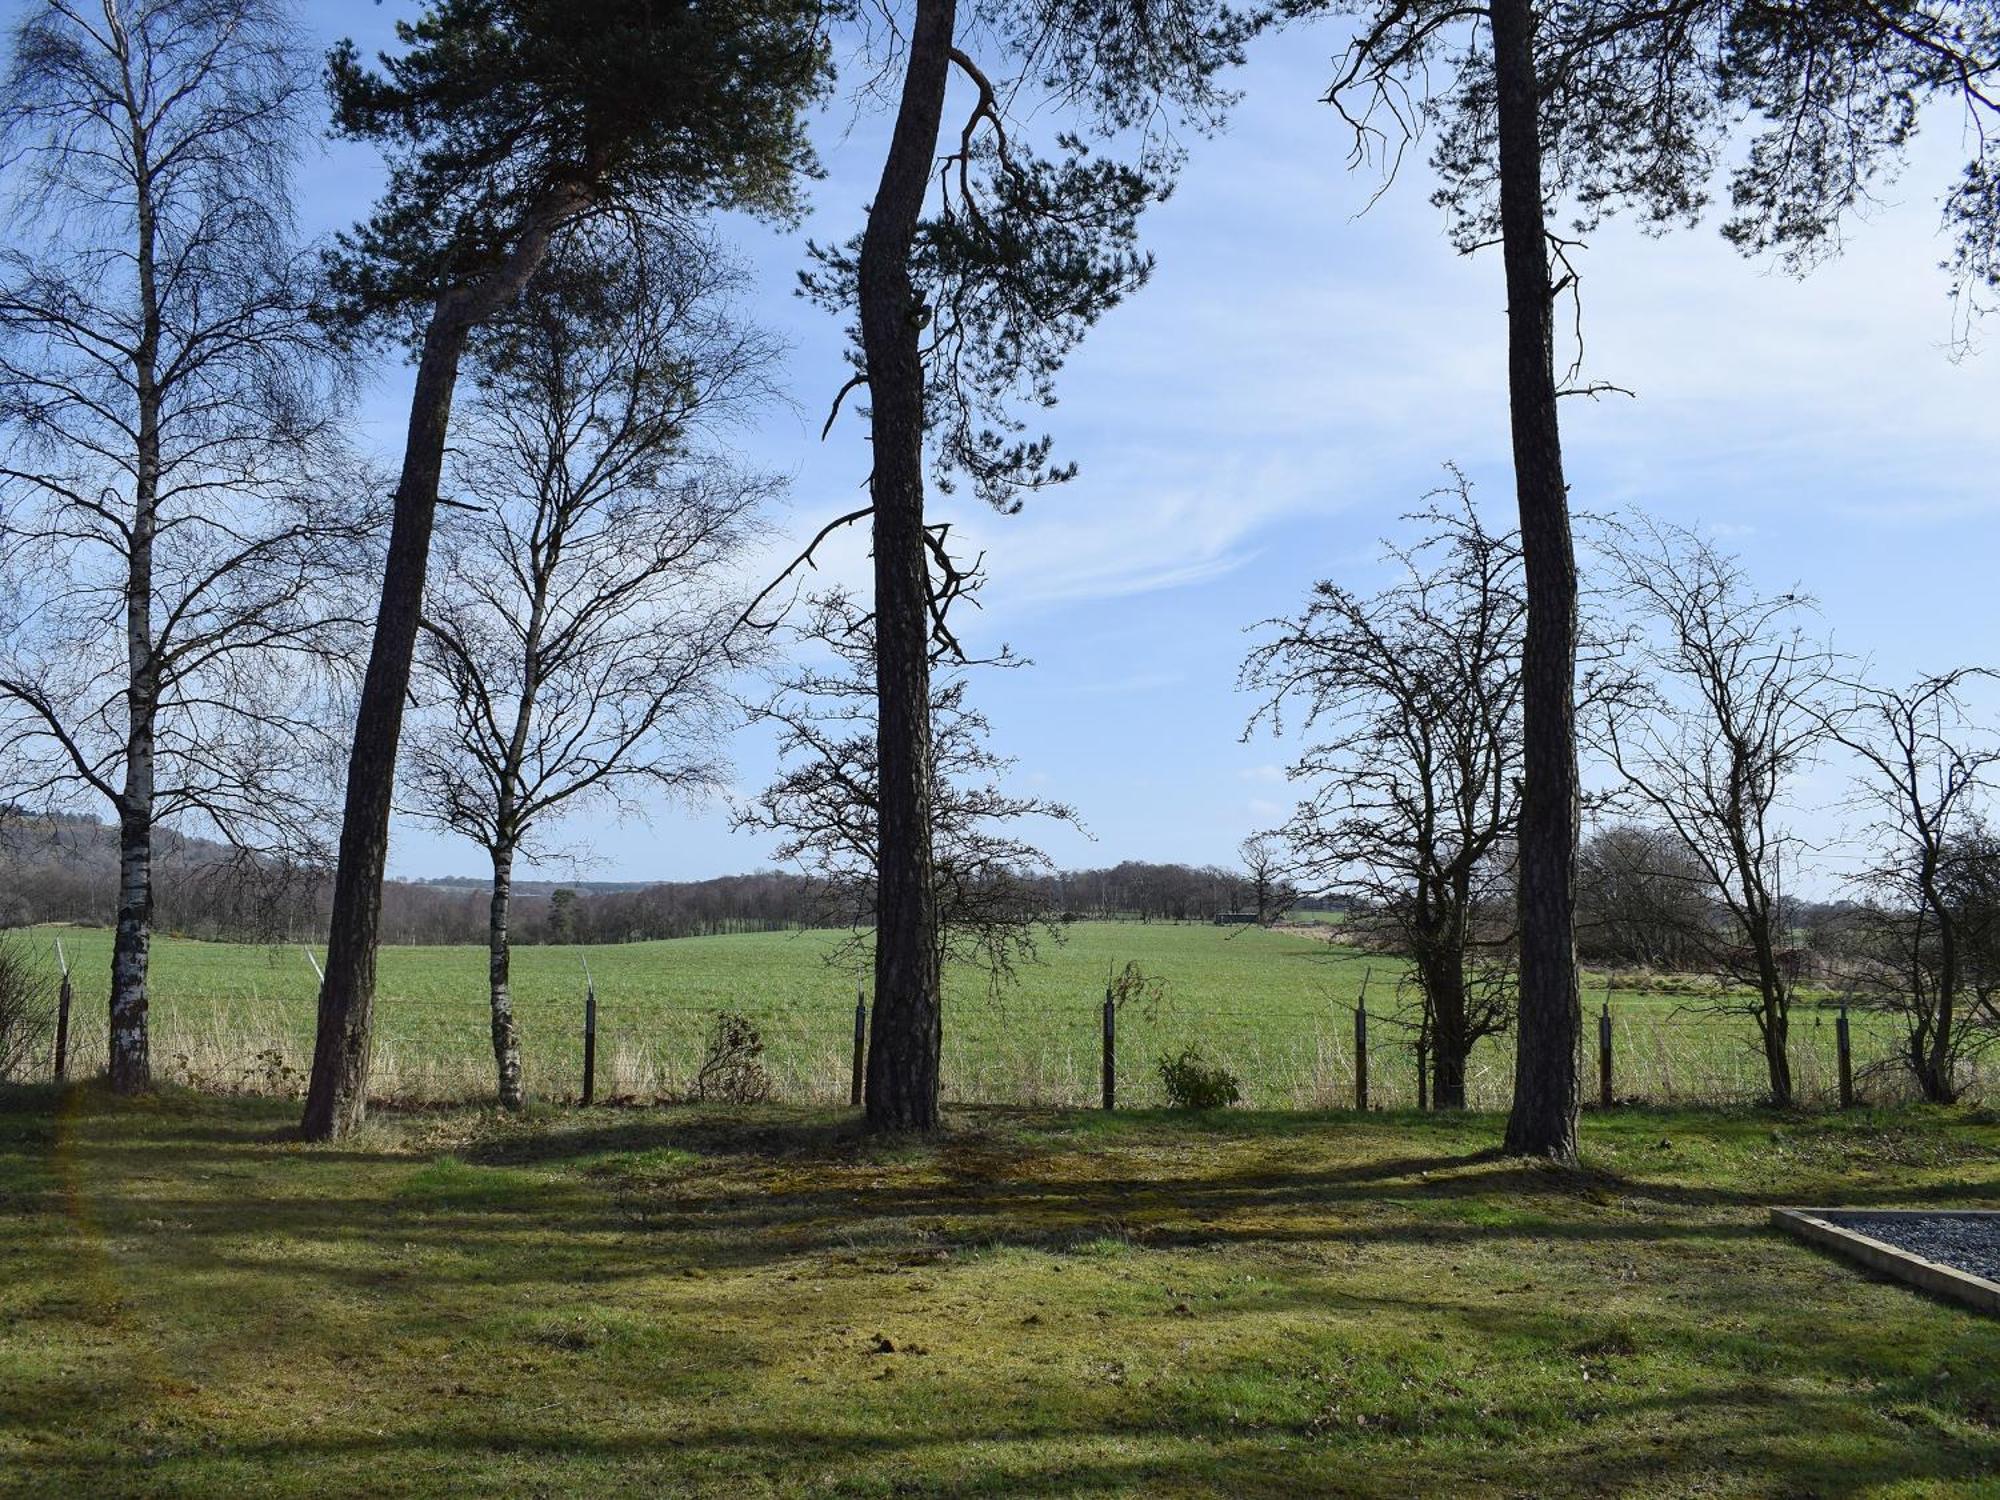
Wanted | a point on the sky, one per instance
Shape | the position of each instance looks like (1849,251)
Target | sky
(1292,381)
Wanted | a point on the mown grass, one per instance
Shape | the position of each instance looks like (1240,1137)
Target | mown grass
(1275,1006)
(766,1302)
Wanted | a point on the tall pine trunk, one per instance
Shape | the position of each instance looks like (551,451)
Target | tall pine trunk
(337,1094)
(907,1032)
(1547,1091)
(506,1036)
(336,1097)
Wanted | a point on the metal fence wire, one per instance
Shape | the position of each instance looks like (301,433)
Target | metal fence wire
(999,1051)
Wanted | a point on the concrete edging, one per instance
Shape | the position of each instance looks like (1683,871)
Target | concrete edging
(1813,1226)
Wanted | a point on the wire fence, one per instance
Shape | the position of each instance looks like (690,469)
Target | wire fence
(1008,1051)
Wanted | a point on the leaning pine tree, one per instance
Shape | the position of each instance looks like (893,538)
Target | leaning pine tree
(981,265)
(579,624)
(509,124)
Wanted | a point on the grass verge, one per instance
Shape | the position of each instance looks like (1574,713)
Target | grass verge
(767,1302)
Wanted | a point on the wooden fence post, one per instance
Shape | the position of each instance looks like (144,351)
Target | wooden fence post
(860,1046)
(1842,1043)
(62,1015)
(1604,1099)
(589,1035)
(1110,1051)
(1361,1044)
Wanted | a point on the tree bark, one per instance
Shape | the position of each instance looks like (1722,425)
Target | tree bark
(1444,987)
(906,1032)
(131,1062)
(1935,1072)
(1547,1088)
(1774,1007)
(506,1036)
(131,950)
(336,1097)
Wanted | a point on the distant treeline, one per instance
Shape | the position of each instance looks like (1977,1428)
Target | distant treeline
(65,869)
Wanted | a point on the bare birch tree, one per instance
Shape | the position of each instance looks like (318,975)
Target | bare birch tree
(580,622)
(171,484)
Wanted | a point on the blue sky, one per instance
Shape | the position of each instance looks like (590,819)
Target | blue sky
(1289,384)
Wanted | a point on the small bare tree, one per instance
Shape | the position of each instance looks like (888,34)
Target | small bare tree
(1926,768)
(579,626)
(1730,699)
(170,482)
(1271,894)
(995,906)
(1413,784)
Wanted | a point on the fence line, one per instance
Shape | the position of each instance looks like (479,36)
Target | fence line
(1669,1049)
(1287,1057)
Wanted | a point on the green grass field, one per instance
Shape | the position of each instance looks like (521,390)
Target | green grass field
(1274,1006)
(764,1302)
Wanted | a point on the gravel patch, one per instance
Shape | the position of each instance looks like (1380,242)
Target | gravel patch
(1963,1243)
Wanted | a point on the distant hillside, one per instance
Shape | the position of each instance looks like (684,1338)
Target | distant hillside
(65,869)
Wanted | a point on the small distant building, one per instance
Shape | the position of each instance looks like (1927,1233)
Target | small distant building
(1236,919)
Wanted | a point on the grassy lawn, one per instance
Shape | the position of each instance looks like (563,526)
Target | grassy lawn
(1275,1006)
(764,1302)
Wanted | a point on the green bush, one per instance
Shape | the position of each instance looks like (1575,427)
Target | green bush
(1192,1084)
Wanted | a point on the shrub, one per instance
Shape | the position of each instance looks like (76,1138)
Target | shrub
(27,1009)
(1192,1083)
(732,1066)
(269,1073)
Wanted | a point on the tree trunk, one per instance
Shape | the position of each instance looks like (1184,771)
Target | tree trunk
(906,1034)
(131,1069)
(130,1051)
(131,1063)
(337,1095)
(1935,1073)
(1448,1078)
(1547,1091)
(1773,1012)
(1444,988)
(506,1037)
(1776,1025)
(336,1098)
